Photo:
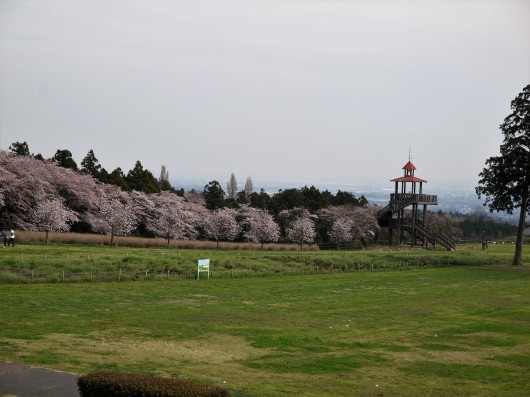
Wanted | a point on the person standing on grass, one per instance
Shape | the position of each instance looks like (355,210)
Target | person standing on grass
(11,238)
(5,238)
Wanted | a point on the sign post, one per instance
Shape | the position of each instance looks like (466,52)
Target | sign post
(203,265)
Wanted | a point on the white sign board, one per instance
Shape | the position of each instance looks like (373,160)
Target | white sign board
(203,265)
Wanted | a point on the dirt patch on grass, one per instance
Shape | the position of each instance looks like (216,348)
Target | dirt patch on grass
(100,348)
(470,356)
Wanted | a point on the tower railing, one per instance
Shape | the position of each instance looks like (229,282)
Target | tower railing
(414,198)
(396,205)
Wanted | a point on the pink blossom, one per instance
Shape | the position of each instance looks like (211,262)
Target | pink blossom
(301,230)
(52,216)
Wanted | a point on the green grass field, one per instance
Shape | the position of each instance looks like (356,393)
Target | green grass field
(434,327)
(37,263)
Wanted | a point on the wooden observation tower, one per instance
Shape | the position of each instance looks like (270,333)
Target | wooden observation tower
(396,215)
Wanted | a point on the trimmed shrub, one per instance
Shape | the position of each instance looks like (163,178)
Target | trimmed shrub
(124,384)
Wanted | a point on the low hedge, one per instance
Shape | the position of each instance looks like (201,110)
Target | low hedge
(124,384)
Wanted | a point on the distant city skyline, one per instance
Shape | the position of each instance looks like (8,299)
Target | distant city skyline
(312,91)
(452,197)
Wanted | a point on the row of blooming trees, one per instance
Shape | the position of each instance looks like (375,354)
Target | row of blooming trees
(40,195)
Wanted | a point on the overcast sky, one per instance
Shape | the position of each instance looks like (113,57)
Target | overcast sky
(296,90)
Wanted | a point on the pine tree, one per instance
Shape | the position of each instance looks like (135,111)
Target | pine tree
(142,180)
(214,196)
(64,159)
(90,165)
(505,182)
(20,149)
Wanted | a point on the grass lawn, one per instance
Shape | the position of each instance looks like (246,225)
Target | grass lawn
(39,263)
(433,331)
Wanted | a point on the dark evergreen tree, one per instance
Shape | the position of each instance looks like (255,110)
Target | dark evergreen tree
(116,177)
(242,197)
(214,195)
(90,165)
(327,197)
(343,198)
(363,202)
(64,159)
(142,180)
(20,149)
(287,199)
(231,203)
(313,199)
(260,200)
(505,182)
(485,229)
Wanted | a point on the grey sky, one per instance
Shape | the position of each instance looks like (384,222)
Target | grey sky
(307,90)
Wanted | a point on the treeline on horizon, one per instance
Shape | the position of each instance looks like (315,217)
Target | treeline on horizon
(143,180)
(324,208)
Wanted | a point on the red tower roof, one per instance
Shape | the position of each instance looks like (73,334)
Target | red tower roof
(409,166)
(408,178)
(408,174)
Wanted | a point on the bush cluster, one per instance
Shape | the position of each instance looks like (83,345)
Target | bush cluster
(124,384)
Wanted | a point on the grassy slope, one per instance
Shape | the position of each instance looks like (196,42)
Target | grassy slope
(436,331)
(42,263)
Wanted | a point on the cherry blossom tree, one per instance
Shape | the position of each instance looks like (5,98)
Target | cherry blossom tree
(365,224)
(27,181)
(195,197)
(448,224)
(363,220)
(341,231)
(80,192)
(333,213)
(286,217)
(21,189)
(52,216)
(259,226)
(221,225)
(143,205)
(114,218)
(172,220)
(173,223)
(301,230)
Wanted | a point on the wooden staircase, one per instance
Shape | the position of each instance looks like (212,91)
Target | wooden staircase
(422,231)
(426,233)
(385,215)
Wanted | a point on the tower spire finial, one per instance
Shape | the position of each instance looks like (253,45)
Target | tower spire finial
(410,158)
